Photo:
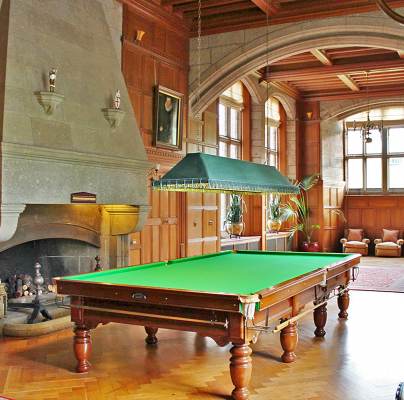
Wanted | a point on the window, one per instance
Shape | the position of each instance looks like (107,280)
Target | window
(272,120)
(229,113)
(377,166)
(229,130)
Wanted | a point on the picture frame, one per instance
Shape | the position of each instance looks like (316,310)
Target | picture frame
(167,132)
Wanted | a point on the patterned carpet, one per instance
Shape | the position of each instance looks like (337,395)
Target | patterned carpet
(381,275)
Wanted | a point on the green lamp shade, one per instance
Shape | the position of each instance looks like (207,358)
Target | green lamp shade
(199,172)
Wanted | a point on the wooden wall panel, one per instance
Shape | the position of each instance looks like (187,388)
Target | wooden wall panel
(203,206)
(309,159)
(160,59)
(333,196)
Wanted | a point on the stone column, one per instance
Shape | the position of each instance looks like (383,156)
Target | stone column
(291,166)
(258,153)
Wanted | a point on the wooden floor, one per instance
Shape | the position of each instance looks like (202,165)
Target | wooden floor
(383,262)
(359,359)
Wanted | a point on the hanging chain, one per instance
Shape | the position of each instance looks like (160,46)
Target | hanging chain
(266,110)
(367,90)
(199,45)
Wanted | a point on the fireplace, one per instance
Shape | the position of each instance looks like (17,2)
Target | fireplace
(58,257)
(72,184)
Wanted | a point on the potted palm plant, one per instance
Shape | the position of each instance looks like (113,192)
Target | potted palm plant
(298,210)
(275,214)
(234,223)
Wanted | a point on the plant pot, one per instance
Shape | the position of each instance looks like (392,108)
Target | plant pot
(234,228)
(313,247)
(274,225)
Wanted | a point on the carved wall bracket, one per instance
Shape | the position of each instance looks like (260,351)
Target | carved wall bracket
(49,101)
(10,213)
(113,116)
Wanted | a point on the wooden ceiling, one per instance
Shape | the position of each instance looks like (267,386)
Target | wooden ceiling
(230,15)
(339,73)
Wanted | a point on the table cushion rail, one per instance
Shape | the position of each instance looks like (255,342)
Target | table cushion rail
(147,295)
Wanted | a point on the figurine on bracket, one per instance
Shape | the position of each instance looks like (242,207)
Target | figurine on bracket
(52,79)
(117,100)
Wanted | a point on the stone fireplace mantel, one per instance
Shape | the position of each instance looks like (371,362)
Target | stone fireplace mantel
(9,216)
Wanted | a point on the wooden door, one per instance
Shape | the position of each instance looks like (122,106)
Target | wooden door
(202,209)
(202,236)
(159,239)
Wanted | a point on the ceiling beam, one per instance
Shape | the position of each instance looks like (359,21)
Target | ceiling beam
(287,89)
(348,81)
(174,2)
(386,91)
(291,11)
(326,71)
(266,6)
(321,56)
(186,7)
(224,8)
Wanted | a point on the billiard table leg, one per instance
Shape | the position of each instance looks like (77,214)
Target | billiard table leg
(82,348)
(343,304)
(289,338)
(151,335)
(320,319)
(240,370)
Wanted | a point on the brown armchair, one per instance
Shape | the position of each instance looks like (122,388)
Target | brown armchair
(355,242)
(389,245)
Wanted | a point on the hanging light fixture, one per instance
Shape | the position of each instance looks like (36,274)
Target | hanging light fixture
(199,45)
(366,127)
(267,105)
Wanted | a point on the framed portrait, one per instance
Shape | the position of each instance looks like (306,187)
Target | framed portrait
(167,118)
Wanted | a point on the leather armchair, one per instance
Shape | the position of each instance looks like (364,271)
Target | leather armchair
(388,249)
(353,246)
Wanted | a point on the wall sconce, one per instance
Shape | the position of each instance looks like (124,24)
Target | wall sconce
(139,36)
(154,172)
(309,115)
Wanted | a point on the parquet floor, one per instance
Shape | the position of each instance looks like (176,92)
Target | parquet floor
(360,359)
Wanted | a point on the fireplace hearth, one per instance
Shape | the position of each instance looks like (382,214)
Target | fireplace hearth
(58,257)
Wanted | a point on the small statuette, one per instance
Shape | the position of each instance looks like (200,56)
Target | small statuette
(117,100)
(97,265)
(52,79)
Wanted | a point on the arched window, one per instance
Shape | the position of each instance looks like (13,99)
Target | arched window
(377,166)
(230,107)
(230,133)
(272,122)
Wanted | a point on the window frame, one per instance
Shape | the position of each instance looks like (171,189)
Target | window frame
(228,140)
(229,104)
(271,122)
(384,155)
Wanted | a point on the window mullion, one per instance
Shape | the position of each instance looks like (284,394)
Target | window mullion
(384,159)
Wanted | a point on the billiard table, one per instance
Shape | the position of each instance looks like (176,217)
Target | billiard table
(230,296)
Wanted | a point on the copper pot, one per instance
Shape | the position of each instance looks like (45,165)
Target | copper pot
(274,225)
(234,228)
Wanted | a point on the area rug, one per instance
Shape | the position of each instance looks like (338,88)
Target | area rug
(380,279)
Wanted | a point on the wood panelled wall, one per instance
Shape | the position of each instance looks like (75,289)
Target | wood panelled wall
(161,58)
(202,209)
(308,143)
(373,213)
(333,200)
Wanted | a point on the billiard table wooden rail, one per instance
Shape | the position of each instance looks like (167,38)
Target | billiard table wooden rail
(227,318)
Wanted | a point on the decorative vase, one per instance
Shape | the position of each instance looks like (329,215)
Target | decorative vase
(274,225)
(313,247)
(234,228)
